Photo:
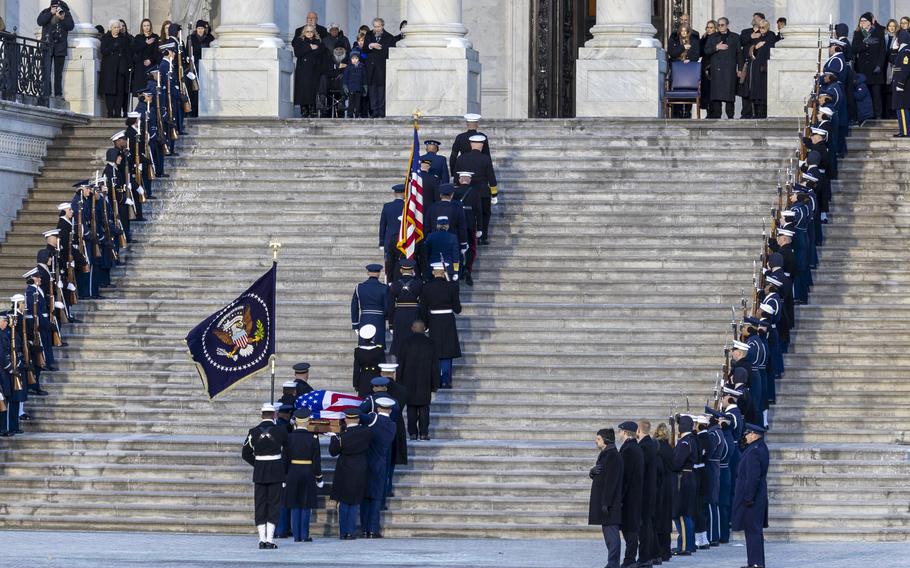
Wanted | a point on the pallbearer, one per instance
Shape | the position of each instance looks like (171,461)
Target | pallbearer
(462,144)
(265,450)
(349,483)
(383,428)
(304,475)
(389,227)
(302,377)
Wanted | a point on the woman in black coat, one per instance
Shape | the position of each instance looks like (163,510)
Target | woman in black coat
(663,518)
(115,70)
(869,53)
(605,504)
(757,56)
(312,62)
(683,46)
(145,55)
(710,30)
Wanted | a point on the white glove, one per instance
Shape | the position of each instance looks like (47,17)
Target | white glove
(140,191)
(283,485)
(320,484)
(60,284)
(129,201)
(455,278)
(59,305)
(72,264)
(381,248)
(191,76)
(478,234)
(71,287)
(140,169)
(494,200)
(330,434)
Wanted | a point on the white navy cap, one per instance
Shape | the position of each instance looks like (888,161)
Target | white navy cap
(384,402)
(810,177)
(267,407)
(16,298)
(276,405)
(438,266)
(835,41)
(118,135)
(133,114)
(827,111)
(701,419)
(740,345)
(819,131)
(64,206)
(388,366)
(785,232)
(51,233)
(788,213)
(367,331)
(478,138)
(289,385)
(465,174)
(773,280)
(472,117)
(30,273)
(734,392)
(442,220)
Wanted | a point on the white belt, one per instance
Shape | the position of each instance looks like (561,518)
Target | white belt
(268,458)
(698,465)
(373,312)
(437,312)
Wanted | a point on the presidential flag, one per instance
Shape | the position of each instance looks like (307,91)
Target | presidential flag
(410,231)
(327,404)
(238,341)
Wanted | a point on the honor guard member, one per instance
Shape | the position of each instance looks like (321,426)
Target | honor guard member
(349,482)
(106,235)
(383,428)
(265,450)
(304,475)
(12,375)
(389,227)
(50,267)
(750,502)
(115,181)
(36,314)
(447,207)
(684,459)
(483,179)
(714,453)
(633,466)
(288,393)
(900,85)
(29,365)
(469,197)
(700,521)
(729,423)
(157,125)
(429,183)
(758,359)
(148,129)
(439,167)
(302,377)
(462,144)
(71,257)
(420,378)
(368,304)
(134,152)
(367,357)
(439,302)
(404,295)
(169,97)
(86,282)
(647,540)
(442,246)
(741,356)
(388,386)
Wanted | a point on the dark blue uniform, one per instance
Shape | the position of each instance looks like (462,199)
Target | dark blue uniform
(443,247)
(684,505)
(389,226)
(750,503)
(457,222)
(402,302)
(758,361)
(368,306)
(439,166)
(380,449)
(714,452)
(900,89)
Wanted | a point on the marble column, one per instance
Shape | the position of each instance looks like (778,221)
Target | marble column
(794,60)
(296,17)
(80,75)
(620,71)
(434,68)
(336,12)
(247,71)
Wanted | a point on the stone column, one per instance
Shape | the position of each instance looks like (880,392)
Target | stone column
(434,68)
(336,12)
(247,71)
(794,60)
(620,72)
(296,17)
(80,75)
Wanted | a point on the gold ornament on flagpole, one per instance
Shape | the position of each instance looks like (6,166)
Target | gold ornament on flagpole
(275,246)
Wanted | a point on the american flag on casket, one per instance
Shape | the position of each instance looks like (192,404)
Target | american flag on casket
(327,404)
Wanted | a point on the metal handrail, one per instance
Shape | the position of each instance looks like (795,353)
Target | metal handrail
(23,70)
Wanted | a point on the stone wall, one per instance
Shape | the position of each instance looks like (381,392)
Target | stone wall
(25,133)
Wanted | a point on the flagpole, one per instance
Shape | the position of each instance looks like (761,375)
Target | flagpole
(275,246)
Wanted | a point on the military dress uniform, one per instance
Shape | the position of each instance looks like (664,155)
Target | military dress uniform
(684,493)
(439,302)
(452,210)
(368,305)
(462,144)
(367,358)
(439,166)
(304,477)
(714,454)
(484,180)
(389,227)
(469,197)
(653,469)
(390,388)
(37,316)
(265,449)
(750,503)
(900,85)
(442,246)
(12,377)
(403,301)
(383,428)
(349,482)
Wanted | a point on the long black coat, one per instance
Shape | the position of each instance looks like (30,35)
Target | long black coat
(56,33)
(649,482)
(663,516)
(400,395)
(311,64)
(605,504)
(349,484)
(142,51)
(750,500)
(418,369)
(403,298)
(300,492)
(675,48)
(266,439)
(633,470)
(869,54)
(366,367)
(683,480)
(440,294)
(723,66)
(757,75)
(116,59)
(376,58)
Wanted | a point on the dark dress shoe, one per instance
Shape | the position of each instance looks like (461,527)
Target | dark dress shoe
(39,392)
(74,320)
(271,545)
(5,434)
(308,539)
(425,438)
(151,197)
(677,552)
(97,297)
(898,136)
(703,546)
(375,535)
(715,543)
(51,368)
(413,438)
(18,430)
(24,417)
(468,280)
(162,176)
(722,541)
(484,242)
(261,545)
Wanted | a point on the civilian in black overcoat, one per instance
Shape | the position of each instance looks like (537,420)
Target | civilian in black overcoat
(605,503)
(633,466)
(723,48)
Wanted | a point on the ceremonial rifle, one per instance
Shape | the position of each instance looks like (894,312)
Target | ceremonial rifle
(58,273)
(51,300)
(184,95)
(36,335)
(145,137)
(86,267)
(108,239)
(14,356)
(130,200)
(137,166)
(160,136)
(96,249)
(26,353)
(112,194)
(718,387)
(171,117)
(191,61)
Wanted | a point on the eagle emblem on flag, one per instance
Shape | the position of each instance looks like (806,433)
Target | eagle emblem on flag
(235,329)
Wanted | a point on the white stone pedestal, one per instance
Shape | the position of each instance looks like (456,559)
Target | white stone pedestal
(440,81)
(245,81)
(619,82)
(80,80)
(791,76)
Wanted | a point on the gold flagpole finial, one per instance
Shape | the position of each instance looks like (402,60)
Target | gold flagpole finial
(275,246)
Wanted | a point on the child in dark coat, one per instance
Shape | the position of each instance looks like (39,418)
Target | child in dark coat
(354,86)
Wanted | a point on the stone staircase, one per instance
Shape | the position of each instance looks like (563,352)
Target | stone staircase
(618,249)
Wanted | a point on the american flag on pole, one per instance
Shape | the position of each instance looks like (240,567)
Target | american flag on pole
(327,404)
(411,230)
